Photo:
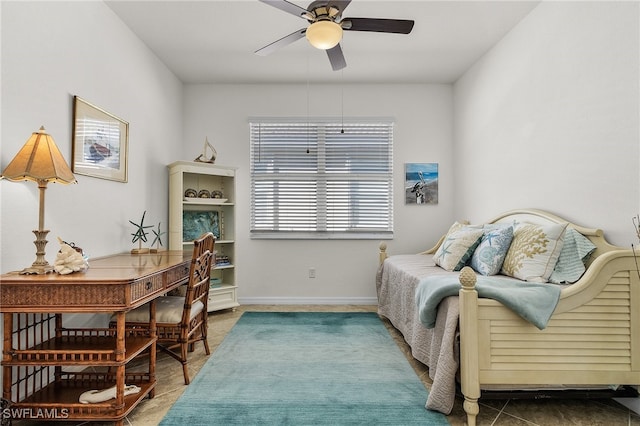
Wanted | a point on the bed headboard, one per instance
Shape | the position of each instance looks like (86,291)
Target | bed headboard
(542,217)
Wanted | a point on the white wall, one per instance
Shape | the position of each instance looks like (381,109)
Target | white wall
(277,271)
(50,52)
(549,118)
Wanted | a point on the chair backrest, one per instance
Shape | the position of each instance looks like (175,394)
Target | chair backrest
(199,275)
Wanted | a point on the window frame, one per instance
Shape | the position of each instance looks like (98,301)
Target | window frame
(372,177)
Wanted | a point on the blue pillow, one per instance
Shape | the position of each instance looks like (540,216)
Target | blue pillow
(488,257)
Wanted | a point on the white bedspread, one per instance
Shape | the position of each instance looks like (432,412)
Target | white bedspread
(396,283)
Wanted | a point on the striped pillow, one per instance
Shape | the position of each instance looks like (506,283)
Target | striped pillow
(575,252)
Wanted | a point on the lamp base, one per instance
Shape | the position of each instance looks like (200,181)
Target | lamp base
(40,266)
(37,270)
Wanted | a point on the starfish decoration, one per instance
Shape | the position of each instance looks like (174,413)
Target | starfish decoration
(140,234)
(158,236)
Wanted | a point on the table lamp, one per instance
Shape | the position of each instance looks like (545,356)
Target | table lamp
(39,160)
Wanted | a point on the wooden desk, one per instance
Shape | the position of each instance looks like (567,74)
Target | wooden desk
(41,359)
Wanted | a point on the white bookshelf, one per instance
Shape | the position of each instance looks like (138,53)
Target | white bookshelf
(191,215)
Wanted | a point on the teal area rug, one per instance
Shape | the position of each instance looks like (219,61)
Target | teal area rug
(305,368)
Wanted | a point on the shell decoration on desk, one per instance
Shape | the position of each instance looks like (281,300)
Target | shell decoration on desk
(69,259)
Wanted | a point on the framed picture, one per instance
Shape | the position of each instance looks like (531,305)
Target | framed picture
(100,142)
(421,183)
(196,223)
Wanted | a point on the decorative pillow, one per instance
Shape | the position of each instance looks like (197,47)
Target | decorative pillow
(490,253)
(534,251)
(453,228)
(456,227)
(575,252)
(457,248)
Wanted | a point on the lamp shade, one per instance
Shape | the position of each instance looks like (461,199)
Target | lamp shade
(39,160)
(324,34)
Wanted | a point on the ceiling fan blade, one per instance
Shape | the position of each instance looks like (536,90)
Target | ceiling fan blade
(398,26)
(270,48)
(336,57)
(340,4)
(286,6)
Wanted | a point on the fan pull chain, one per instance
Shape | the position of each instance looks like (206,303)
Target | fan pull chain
(342,99)
(307,102)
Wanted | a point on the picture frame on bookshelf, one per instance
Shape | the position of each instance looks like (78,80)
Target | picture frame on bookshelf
(196,223)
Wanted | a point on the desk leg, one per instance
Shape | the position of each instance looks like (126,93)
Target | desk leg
(58,323)
(6,356)
(120,356)
(152,348)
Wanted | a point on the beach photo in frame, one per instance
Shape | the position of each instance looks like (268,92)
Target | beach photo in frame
(100,142)
(421,183)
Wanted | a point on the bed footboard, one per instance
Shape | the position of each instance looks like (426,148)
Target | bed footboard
(470,384)
(592,338)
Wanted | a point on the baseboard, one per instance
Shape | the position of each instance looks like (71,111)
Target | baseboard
(308,301)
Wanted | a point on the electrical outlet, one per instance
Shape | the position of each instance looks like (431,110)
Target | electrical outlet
(312,272)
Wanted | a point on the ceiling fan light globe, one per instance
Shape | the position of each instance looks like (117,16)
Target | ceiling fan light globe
(324,34)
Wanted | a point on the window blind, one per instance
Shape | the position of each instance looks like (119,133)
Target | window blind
(321,179)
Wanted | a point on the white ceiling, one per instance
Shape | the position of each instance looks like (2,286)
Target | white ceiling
(213,41)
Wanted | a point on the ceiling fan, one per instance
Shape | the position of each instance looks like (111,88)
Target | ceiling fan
(326,25)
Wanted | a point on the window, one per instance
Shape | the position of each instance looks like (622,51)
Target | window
(321,179)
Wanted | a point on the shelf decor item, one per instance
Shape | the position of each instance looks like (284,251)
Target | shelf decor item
(196,223)
(100,142)
(39,160)
(140,235)
(209,153)
(157,240)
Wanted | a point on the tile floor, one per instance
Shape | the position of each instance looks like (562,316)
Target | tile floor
(492,412)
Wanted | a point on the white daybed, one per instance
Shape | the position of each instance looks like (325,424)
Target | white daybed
(591,339)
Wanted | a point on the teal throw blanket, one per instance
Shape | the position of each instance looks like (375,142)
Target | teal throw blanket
(535,302)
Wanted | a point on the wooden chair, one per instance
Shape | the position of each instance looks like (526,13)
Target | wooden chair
(181,321)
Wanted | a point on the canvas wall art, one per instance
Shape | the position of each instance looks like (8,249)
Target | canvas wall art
(421,183)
